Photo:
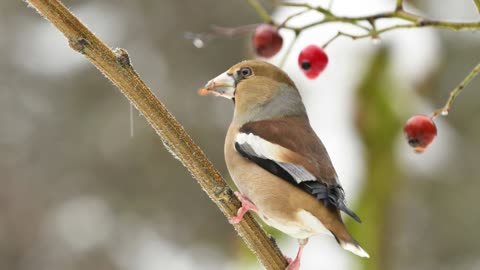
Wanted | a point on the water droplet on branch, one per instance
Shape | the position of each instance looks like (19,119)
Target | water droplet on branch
(197,42)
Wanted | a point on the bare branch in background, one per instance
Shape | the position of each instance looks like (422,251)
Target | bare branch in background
(116,66)
(410,21)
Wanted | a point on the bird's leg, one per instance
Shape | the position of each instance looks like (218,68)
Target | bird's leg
(246,206)
(295,264)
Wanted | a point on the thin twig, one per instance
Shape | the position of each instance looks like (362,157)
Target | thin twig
(115,65)
(339,34)
(293,4)
(233,32)
(261,11)
(399,5)
(416,21)
(305,5)
(376,34)
(294,16)
(445,110)
(399,13)
(373,32)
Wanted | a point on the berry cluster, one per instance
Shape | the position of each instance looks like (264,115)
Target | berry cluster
(267,42)
(420,130)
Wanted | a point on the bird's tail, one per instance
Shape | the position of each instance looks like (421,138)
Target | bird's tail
(348,243)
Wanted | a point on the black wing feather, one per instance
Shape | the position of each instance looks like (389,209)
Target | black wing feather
(329,195)
(266,164)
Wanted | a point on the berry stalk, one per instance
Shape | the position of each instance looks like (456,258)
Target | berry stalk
(445,110)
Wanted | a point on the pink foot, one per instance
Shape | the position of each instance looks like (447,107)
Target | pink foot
(246,206)
(295,264)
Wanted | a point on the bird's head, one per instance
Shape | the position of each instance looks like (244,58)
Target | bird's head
(252,84)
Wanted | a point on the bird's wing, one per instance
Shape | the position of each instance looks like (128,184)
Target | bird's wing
(290,149)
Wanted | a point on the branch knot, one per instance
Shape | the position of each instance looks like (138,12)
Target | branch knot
(78,44)
(223,193)
(122,57)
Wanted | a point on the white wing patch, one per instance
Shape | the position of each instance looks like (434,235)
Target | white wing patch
(254,145)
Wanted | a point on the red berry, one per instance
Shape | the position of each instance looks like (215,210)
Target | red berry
(312,60)
(267,41)
(420,131)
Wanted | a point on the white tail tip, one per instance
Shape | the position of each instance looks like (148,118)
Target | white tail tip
(355,249)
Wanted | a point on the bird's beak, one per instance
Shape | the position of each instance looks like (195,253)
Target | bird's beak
(223,85)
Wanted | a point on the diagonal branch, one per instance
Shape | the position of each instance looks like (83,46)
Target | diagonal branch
(115,65)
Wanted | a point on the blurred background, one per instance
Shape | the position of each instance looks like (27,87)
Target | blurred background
(78,191)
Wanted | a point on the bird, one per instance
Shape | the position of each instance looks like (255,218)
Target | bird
(279,165)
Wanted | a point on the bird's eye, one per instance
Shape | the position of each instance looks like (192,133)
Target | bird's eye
(245,72)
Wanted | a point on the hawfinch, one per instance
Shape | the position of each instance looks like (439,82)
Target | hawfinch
(278,163)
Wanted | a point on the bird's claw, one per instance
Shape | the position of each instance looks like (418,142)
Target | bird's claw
(246,206)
